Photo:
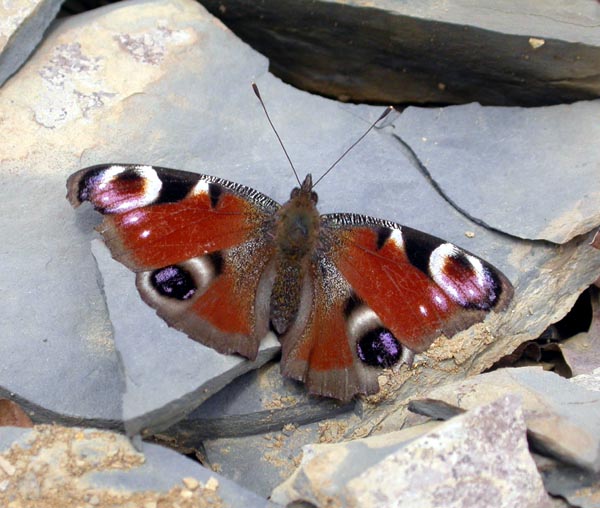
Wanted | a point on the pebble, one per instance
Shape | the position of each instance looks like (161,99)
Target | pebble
(191,483)
(7,467)
(186,494)
(212,484)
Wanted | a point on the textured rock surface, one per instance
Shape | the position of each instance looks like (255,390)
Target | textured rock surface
(137,89)
(22,26)
(579,487)
(563,419)
(56,466)
(493,51)
(588,381)
(260,462)
(582,352)
(258,402)
(467,461)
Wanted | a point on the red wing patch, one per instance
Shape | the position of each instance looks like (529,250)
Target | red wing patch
(214,298)
(227,307)
(155,217)
(318,349)
(166,234)
(419,286)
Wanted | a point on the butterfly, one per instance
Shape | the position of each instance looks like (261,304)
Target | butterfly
(346,294)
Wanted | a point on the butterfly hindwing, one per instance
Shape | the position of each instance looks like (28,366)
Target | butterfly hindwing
(418,285)
(216,299)
(197,243)
(320,348)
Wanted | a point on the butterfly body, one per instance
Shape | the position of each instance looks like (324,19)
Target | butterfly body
(296,234)
(346,294)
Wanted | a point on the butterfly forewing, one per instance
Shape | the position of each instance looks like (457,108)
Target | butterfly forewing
(155,217)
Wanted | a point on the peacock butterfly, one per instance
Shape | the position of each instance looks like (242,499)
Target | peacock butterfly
(346,294)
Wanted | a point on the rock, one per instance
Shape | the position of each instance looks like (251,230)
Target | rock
(405,52)
(538,138)
(258,402)
(260,462)
(577,486)
(176,92)
(466,461)
(58,466)
(166,383)
(582,352)
(588,381)
(563,419)
(22,28)
(62,365)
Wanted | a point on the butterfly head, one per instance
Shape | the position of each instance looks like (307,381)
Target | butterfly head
(305,190)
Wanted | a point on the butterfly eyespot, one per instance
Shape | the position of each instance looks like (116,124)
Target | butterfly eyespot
(466,279)
(173,282)
(379,348)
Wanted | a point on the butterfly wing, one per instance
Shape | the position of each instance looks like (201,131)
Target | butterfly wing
(199,245)
(382,293)
(317,349)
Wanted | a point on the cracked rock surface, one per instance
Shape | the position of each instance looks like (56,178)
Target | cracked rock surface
(165,83)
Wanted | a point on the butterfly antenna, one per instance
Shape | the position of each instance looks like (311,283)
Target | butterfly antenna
(383,115)
(255,88)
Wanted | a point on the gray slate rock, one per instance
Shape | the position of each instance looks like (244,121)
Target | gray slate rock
(532,172)
(563,419)
(58,466)
(496,52)
(589,381)
(138,90)
(168,375)
(582,352)
(466,461)
(261,462)
(22,27)
(59,359)
(579,487)
(258,402)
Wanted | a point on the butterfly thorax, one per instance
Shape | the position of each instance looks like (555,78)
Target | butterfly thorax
(296,234)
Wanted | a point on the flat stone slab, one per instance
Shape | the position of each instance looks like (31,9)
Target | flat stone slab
(577,486)
(58,466)
(22,26)
(134,90)
(434,52)
(589,381)
(466,461)
(514,162)
(563,419)
(258,402)
(260,462)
